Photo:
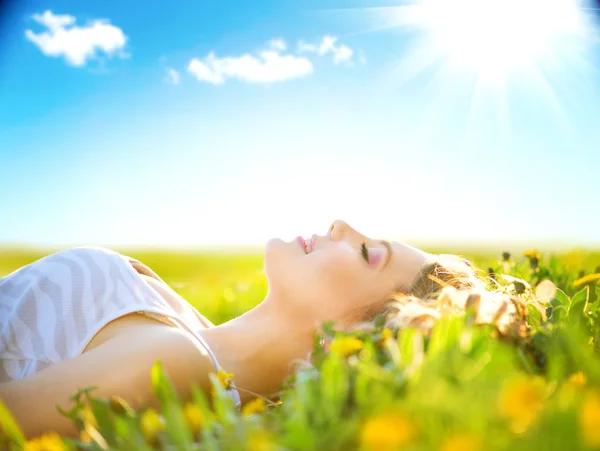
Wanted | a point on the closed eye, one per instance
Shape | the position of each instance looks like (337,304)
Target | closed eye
(374,259)
(364,252)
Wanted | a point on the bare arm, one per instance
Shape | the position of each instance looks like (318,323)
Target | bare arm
(120,366)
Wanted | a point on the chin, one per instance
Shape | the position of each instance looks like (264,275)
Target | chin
(273,248)
(279,253)
(273,243)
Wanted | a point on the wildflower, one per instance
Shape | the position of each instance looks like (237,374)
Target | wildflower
(260,441)
(225,379)
(151,423)
(346,345)
(255,406)
(193,416)
(49,441)
(461,442)
(505,256)
(85,437)
(589,419)
(534,258)
(577,379)
(585,280)
(385,335)
(387,431)
(532,254)
(521,400)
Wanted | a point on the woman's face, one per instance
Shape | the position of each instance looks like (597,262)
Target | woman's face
(337,280)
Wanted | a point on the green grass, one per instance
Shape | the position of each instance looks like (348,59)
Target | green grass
(464,387)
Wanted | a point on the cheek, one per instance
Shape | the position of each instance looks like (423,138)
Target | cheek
(338,276)
(334,276)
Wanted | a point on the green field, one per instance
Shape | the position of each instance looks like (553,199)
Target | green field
(461,388)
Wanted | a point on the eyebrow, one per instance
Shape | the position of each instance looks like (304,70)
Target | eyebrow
(389,253)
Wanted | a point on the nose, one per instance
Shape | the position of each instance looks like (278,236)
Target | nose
(341,230)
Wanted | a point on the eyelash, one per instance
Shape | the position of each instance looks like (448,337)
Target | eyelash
(364,252)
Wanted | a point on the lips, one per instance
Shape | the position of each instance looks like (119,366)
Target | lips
(307,245)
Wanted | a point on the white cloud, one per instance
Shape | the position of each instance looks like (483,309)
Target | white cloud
(76,44)
(173,76)
(278,44)
(53,21)
(341,53)
(268,67)
(303,47)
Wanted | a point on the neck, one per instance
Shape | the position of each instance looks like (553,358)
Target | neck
(259,348)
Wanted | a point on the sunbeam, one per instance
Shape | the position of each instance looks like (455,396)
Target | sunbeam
(491,41)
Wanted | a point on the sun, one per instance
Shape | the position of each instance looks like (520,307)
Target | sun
(495,36)
(497,45)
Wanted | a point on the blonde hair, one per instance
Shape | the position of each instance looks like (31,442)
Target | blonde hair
(450,285)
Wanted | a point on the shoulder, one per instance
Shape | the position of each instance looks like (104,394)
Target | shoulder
(129,324)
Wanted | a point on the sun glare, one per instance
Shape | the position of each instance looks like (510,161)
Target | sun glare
(493,35)
(539,45)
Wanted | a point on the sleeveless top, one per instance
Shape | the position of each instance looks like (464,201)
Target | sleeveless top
(51,309)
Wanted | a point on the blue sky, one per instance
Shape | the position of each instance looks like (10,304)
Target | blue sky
(225,123)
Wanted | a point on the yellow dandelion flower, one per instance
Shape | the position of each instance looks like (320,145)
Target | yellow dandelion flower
(151,423)
(346,345)
(589,418)
(225,379)
(532,254)
(193,416)
(85,437)
(49,441)
(87,415)
(461,442)
(385,335)
(577,379)
(587,279)
(387,431)
(521,400)
(260,441)
(255,406)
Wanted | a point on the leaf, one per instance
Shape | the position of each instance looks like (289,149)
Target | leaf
(334,384)
(406,344)
(558,313)
(445,333)
(562,298)
(361,392)
(10,426)
(208,439)
(580,296)
(534,317)
(176,426)
(131,435)
(103,415)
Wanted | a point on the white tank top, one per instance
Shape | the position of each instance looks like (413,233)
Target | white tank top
(50,309)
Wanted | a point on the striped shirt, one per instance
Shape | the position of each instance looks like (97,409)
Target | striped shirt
(52,308)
